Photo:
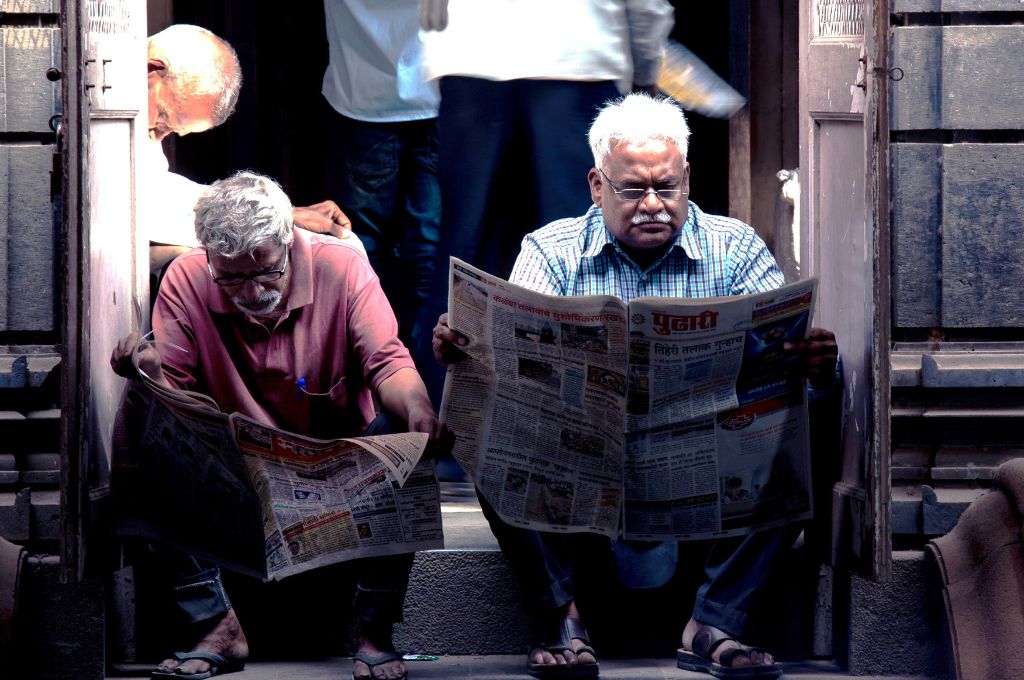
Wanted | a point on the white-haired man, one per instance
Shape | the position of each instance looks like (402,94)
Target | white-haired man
(193,79)
(258,308)
(643,237)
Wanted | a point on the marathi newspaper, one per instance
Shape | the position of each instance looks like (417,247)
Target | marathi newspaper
(267,502)
(664,418)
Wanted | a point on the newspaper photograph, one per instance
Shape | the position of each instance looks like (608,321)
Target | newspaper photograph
(271,503)
(664,418)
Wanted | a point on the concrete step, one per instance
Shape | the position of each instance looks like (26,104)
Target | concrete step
(510,667)
(464,606)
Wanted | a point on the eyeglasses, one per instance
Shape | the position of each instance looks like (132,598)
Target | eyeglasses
(636,194)
(266,276)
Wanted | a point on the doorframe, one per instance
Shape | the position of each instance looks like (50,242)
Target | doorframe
(75,303)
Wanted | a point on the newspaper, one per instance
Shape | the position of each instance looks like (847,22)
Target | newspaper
(664,418)
(272,503)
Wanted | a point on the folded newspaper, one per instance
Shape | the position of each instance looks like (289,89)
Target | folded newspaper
(664,418)
(263,501)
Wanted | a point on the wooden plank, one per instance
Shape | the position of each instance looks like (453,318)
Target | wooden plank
(916,97)
(5,175)
(958,78)
(983,77)
(916,234)
(981,5)
(904,6)
(30,6)
(31,239)
(982,201)
(28,98)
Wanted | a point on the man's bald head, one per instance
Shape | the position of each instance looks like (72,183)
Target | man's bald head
(194,79)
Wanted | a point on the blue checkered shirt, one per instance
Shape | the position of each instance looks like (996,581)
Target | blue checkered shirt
(712,256)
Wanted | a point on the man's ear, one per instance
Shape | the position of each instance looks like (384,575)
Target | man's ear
(594,178)
(157,66)
(686,177)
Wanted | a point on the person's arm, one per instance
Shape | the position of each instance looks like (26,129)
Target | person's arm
(324,217)
(650,22)
(160,255)
(817,357)
(433,15)
(404,395)
(149,360)
(446,342)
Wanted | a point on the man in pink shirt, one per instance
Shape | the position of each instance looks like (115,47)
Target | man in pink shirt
(290,328)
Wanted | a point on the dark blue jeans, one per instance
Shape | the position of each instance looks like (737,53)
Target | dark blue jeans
(381,582)
(514,156)
(737,570)
(384,176)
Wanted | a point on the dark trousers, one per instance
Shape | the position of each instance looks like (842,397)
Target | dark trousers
(737,570)
(514,156)
(384,176)
(381,582)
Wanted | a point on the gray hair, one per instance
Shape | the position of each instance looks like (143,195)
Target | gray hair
(199,64)
(241,213)
(636,118)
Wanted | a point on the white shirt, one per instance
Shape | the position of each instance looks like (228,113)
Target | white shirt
(619,40)
(168,200)
(376,69)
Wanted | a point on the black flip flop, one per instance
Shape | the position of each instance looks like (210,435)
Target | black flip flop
(706,641)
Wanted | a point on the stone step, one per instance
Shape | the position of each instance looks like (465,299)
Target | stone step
(463,606)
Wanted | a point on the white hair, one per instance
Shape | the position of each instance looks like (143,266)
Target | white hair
(241,213)
(636,118)
(199,64)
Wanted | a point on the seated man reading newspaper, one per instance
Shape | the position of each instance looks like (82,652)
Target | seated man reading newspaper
(261,312)
(642,237)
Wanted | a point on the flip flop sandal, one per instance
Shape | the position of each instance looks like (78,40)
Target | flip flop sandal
(376,660)
(219,665)
(571,629)
(706,641)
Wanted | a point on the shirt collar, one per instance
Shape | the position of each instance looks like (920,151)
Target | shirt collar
(300,293)
(602,239)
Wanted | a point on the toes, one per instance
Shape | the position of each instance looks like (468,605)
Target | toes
(192,666)
(585,658)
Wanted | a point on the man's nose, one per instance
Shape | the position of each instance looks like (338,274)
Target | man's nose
(651,199)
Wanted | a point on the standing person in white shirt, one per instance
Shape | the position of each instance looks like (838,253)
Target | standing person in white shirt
(383,151)
(521,81)
(193,80)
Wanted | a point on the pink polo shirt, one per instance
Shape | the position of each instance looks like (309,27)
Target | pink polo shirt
(338,335)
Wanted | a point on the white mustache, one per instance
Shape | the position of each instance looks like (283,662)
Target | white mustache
(660,216)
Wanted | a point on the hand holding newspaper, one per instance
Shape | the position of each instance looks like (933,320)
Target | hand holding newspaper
(269,502)
(663,418)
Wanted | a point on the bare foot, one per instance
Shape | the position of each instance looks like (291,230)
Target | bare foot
(568,657)
(225,638)
(749,657)
(390,670)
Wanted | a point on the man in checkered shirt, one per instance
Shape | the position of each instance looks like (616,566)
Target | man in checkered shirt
(642,237)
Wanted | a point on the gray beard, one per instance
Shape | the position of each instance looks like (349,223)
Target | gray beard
(266,303)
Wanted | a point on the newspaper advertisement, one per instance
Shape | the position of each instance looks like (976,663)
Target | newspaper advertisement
(665,418)
(272,503)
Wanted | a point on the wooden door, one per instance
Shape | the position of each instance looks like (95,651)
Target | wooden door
(842,135)
(106,284)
